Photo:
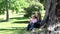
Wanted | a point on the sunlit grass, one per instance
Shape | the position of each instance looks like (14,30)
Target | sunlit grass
(14,31)
(10,25)
(5,25)
(6,32)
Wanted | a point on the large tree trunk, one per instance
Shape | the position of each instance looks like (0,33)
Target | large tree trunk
(58,10)
(52,16)
(51,13)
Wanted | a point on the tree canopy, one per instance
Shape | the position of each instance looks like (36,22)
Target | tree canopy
(13,5)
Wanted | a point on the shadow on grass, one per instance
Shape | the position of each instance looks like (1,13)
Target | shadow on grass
(18,30)
(20,22)
(24,20)
(14,28)
(19,18)
(3,21)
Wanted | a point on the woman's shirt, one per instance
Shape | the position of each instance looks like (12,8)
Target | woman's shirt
(33,20)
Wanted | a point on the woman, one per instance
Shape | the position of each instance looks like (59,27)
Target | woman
(38,15)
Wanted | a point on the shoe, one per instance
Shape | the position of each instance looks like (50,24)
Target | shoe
(33,30)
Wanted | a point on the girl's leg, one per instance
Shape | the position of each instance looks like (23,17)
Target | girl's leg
(28,27)
(32,25)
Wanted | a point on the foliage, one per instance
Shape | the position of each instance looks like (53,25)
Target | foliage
(18,4)
(13,5)
(44,2)
(2,6)
(34,6)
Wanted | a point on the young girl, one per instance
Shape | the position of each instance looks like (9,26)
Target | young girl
(32,21)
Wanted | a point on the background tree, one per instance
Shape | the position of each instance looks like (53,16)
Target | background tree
(14,5)
(2,6)
(34,6)
(18,4)
(7,10)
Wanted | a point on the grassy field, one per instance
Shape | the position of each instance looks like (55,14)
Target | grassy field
(15,25)
(19,30)
(15,22)
(13,31)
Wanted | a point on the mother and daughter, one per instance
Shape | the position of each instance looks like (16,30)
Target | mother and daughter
(34,21)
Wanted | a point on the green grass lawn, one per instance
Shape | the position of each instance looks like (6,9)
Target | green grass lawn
(13,31)
(11,27)
(14,22)
(18,31)
(15,25)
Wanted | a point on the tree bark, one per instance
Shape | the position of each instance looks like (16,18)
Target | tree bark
(50,15)
(7,10)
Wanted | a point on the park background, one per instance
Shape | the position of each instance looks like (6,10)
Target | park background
(14,14)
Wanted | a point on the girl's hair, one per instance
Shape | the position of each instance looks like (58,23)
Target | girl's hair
(34,16)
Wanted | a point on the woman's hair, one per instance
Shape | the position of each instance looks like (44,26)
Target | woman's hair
(38,15)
